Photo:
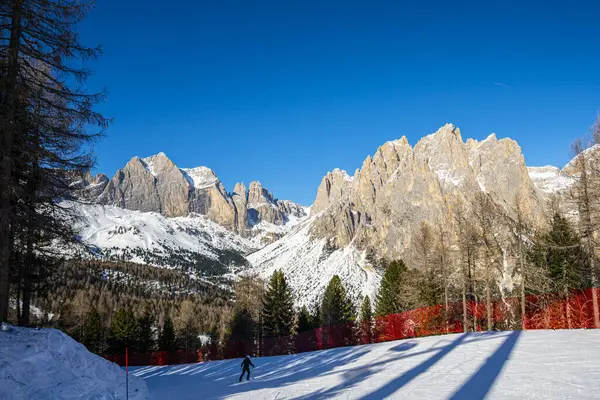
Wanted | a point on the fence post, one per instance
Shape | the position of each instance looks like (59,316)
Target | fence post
(127,373)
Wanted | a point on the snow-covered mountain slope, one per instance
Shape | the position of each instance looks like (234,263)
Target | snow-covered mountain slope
(309,264)
(47,364)
(550,179)
(148,236)
(491,365)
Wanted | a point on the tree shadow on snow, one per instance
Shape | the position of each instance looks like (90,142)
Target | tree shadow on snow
(351,377)
(482,381)
(404,346)
(217,380)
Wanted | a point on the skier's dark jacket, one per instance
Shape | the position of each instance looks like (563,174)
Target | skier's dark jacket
(247,363)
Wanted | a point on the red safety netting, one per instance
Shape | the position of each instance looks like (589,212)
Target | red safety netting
(572,310)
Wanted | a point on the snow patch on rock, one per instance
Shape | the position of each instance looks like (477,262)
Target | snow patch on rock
(200,177)
(550,179)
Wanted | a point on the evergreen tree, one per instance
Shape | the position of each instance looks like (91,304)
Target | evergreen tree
(93,331)
(336,307)
(305,322)
(244,333)
(145,338)
(166,338)
(315,316)
(389,298)
(561,253)
(123,330)
(366,319)
(278,307)
(242,326)
(366,313)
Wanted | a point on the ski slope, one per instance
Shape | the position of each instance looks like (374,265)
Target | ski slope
(497,365)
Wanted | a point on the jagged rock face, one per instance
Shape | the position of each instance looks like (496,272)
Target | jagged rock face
(240,199)
(134,188)
(156,184)
(262,205)
(171,185)
(333,187)
(382,205)
(288,208)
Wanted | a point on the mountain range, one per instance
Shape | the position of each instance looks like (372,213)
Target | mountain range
(151,208)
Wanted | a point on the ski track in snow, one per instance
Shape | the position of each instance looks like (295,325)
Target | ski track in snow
(491,365)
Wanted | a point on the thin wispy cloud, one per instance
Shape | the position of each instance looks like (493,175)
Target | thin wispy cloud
(500,84)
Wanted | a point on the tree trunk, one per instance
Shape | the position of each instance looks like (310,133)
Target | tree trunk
(27,271)
(594,283)
(464,301)
(7,128)
(488,304)
(523,316)
(522,283)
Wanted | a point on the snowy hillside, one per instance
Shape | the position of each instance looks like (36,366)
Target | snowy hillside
(47,364)
(115,228)
(549,179)
(309,265)
(491,365)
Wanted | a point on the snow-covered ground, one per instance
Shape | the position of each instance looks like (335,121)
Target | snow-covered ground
(500,365)
(47,364)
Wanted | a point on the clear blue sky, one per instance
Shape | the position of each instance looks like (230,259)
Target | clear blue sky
(284,91)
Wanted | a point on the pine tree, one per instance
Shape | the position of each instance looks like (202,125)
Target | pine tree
(336,306)
(315,315)
(305,322)
(366,313)
(166,338)
(123,330)
(560,252)
(278,307)
(366,319)
(93,331)
(389,298)
(145,337)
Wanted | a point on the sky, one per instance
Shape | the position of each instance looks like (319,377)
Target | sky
(284,91)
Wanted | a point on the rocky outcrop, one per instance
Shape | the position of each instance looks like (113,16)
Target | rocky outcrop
(156,184)
(382,205)
(262,206)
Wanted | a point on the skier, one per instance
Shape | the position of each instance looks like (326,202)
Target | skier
(246,368)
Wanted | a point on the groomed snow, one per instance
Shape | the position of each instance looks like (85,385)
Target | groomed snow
(47,364)
(496,365)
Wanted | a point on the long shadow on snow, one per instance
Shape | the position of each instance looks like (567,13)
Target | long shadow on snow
(193,380)
(198,380)
(351,377)
(482,381)
(288,371)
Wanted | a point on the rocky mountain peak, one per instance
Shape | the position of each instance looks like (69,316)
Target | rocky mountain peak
(240,189)
(156,184)
(257,195)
